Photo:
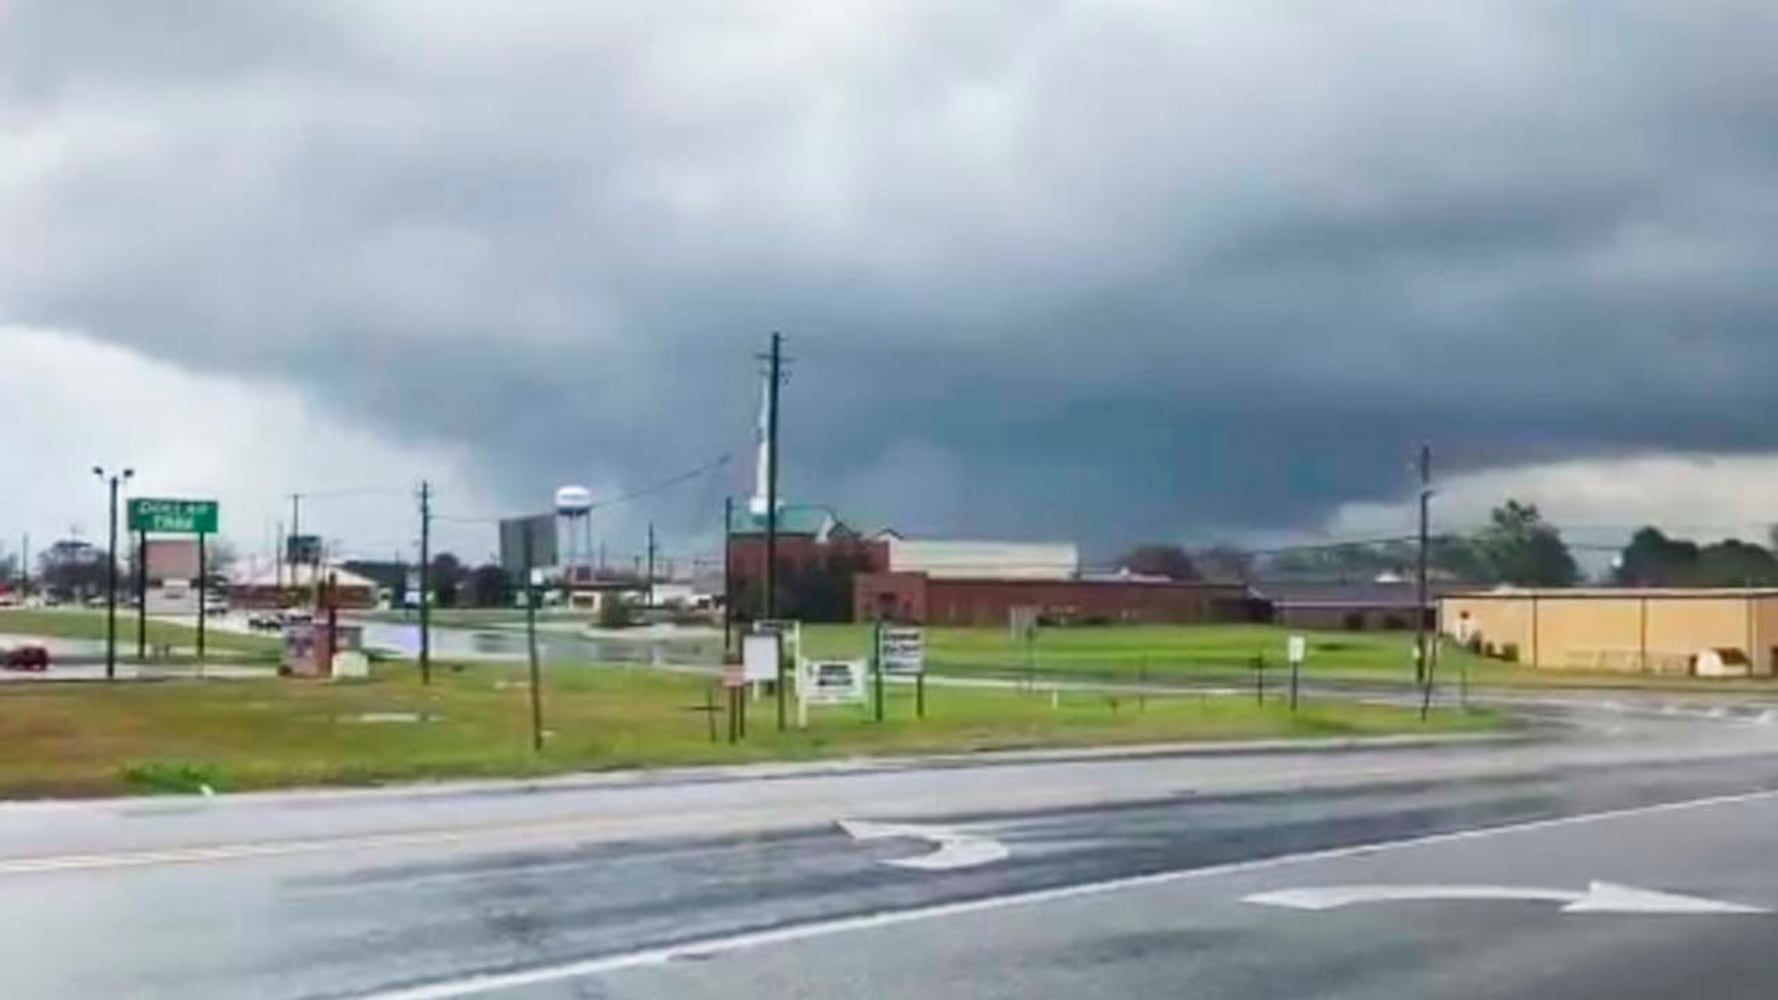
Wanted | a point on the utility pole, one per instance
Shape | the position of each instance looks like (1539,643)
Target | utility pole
(728,598)
(25,566)
(296,516)
(649,584)
(426,583)
(1421,674)
(773,374)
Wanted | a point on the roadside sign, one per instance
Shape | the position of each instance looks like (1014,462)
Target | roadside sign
(789,632)
(902,650)
(833,682)
(173,517)
(1298,648)
(759,656)
(304,549)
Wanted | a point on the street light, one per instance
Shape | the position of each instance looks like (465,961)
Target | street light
(111,570)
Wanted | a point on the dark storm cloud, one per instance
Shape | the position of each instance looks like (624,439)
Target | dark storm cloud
(1096,270)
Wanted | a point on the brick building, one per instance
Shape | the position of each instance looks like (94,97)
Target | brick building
(817,559)
(934,600)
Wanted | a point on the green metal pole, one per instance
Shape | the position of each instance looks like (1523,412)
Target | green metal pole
(876,663)
(141,595)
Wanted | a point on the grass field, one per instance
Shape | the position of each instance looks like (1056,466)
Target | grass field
(79,623)
(1162,653)
(92,739)
(1157,651)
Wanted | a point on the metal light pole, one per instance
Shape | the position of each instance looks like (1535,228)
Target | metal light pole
(111,569)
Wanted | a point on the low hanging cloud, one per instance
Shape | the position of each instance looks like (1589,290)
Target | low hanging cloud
(1092,270)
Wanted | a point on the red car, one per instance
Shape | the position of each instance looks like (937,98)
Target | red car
(25,658)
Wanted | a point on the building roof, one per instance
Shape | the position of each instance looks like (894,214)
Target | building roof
(302,575)
(985,560)
(793,519)
(1507,593)
(1134,583)
(1376,594)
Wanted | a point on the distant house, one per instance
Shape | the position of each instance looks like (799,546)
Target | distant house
(294,586)
(1384,604)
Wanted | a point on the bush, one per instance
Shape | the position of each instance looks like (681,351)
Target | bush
(161,777)
(615,612)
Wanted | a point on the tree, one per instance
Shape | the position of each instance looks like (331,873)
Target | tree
(489,586)
(1654,560)
(1224,562)
(220,555)
(73,569)
(447,575)
(1520,548)
(1157,559)
(615,611)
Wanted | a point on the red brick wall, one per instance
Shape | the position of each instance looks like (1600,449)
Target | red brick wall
(895,596)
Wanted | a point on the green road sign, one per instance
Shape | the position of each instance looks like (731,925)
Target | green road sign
(180,517)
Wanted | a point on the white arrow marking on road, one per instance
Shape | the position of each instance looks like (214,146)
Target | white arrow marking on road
(1600,897)
(956,849)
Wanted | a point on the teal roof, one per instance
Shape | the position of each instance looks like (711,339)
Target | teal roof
(793,519)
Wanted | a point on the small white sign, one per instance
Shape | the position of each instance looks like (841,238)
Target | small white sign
(759,657)
(833,682)
(902,650)
(1298,647)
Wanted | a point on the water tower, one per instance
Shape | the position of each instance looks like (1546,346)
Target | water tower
(574,504)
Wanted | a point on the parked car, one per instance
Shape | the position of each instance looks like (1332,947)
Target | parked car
(28,657)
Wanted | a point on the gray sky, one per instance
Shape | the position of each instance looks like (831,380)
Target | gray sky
(1103,271)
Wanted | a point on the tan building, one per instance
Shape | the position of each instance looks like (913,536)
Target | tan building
(1667,631)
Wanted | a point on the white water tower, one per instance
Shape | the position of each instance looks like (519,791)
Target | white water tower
(574,504)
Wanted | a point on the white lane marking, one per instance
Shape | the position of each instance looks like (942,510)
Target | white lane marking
(956,849)
(473,985)
(1599,897)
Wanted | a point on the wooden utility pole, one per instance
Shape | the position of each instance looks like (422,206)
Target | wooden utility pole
(728,597)
(648,584)
(773,374)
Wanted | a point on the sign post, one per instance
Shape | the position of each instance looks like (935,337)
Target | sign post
(203,585)
(141,596)
(164,516)
(525,542)
(876,666)
(1299,648)
(901,650)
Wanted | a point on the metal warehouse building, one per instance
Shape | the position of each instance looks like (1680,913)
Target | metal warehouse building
(1666,631)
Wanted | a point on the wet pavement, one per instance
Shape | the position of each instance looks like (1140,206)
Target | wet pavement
(742,883)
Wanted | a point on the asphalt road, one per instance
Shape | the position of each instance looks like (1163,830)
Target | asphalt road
(1112,874)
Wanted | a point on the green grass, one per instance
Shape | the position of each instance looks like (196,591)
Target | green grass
(81,623)
(468,617)
(1162,653)
(87,739)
